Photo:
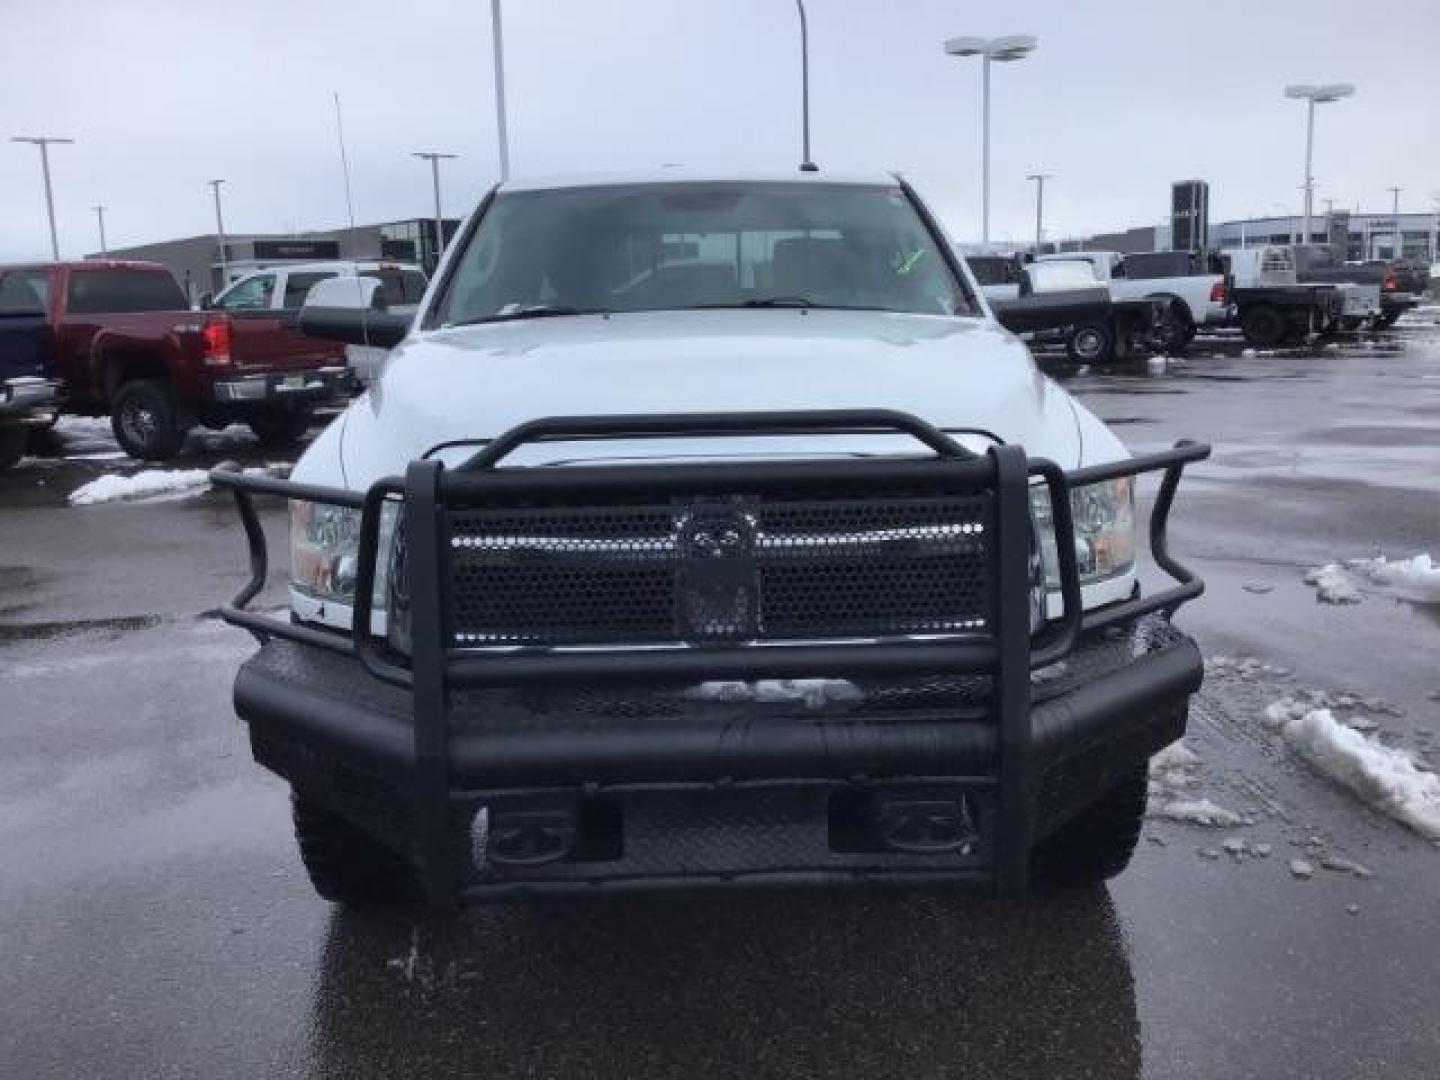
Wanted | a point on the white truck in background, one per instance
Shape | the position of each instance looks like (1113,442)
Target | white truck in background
(1195,289)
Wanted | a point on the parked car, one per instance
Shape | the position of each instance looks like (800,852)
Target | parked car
(1195,289)
(285,288)
(1063,298)
(121,341)
(27,398)
(1271,305)
(708,531)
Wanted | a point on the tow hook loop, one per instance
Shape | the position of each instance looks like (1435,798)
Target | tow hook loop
(530,837)
(923,826)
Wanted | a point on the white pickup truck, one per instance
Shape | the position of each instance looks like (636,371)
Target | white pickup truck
(1197,295)
(707,531)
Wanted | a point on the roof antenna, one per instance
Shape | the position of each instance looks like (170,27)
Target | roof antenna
(806,165)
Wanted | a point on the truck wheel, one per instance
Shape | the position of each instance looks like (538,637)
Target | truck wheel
(1385,320)
(13,441)
(1350,323)
(1264,325)
(280,427)
(345,865)
(1092,343)
(145,420)
(1175,332)
(1096,844)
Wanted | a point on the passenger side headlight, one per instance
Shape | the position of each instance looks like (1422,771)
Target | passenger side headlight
(325,548)
(1104,515)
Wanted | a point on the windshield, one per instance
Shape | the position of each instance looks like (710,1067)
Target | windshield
(657,247)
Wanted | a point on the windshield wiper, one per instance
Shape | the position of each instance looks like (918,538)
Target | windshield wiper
(533,311)
(789,302)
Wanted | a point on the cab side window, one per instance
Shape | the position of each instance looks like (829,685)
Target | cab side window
(298,286)
(251,294)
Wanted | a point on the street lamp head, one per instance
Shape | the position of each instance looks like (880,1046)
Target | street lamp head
(1012,47)
(1319,94)
(39,140)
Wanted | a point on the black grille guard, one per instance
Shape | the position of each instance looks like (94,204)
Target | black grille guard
(427,484)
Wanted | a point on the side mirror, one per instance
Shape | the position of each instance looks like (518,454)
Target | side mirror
(352,310)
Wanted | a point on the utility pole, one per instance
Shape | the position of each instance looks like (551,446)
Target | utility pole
(435,158)
(504,137)
(1395,217)
(100,213)
(1039,179)
(43,142)
(806,165)
(220,235)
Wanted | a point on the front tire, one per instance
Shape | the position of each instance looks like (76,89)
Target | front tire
(146,421)
(1092,343)
(1175,333)
(346,866)
(1385,320)
(1098,843)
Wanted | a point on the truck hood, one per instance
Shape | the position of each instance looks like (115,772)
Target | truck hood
(476,382)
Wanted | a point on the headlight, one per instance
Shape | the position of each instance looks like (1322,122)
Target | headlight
(1104,515)
(325,547)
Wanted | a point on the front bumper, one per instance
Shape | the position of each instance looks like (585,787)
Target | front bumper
(500,768)
(272,387)
(28,400)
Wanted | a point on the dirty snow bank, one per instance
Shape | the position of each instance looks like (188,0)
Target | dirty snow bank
(1333,585)
(1386,778)
(1415,579)
(1173,776)
(154,484)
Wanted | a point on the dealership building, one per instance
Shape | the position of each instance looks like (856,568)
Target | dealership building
(1362,236)
(198,266)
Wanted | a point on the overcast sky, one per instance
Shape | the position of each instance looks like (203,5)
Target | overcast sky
(1120,99)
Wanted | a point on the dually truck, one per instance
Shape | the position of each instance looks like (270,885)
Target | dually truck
(28,400)
(120,340)
(709,531)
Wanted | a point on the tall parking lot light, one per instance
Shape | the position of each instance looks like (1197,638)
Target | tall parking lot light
(220,235)
(503,135)
(1395,219)
(435,158)
(100,214)
(43,142)
(806,165)
(1314,95)
(1039,179)
(1011,47)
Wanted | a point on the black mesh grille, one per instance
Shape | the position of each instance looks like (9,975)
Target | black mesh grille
(721,571)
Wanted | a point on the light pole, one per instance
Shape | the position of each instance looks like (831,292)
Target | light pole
(220,235)
(497,40)
(100,213)
(1013,47)
(43,142)
(1312,96)
(1395,218)
(435,158)
(1039,179)
(806,165)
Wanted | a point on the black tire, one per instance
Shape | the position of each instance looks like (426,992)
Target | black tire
(1350,323)
(14,440)
(1175,332)
(1098,843)
(1092,343)
(280,427)
(345,865)
(1264,325)
(146,421)
(1385,320)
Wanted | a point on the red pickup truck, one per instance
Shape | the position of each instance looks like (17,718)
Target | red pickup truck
(123,342)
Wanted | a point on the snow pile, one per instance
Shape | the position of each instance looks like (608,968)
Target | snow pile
(1173,772)
(156,484)
(146,484)
(815,693)
(1333,585)
(1386,778)
(1197,812)
(1416,579)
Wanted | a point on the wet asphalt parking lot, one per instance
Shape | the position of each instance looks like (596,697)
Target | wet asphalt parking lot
(155,920)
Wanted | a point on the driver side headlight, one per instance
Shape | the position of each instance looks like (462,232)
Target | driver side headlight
(324,551)
(1104,515)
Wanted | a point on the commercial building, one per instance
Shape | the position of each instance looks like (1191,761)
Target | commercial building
(1361,236)
(197,264)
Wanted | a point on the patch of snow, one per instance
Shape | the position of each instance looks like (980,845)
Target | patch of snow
(1176,756)
(1302,869)
(1332,585)
(1416,579)
(1345,866)
(1247,352)
(1262,850)
(146,484)
(1386,778)
(1197,812)
(815,693)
